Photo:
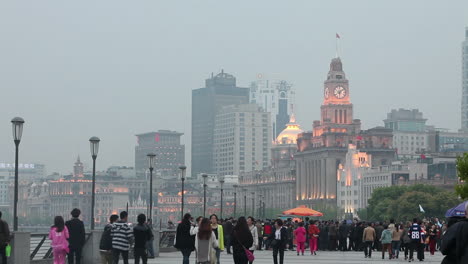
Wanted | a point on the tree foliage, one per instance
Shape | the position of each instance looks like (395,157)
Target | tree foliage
(402,202)
(462,169)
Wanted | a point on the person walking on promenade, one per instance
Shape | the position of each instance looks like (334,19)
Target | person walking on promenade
(149,244)
(105,245)
(343,232)
(313,232)
(253,230)
(378,232)
(242,238)
(260,234)
(184,239)
(205,242)
(386,240)
(122,238)
(76,241)
(405,239)
(368,238)
(414,234)
(219,233)
(396,240)
(455,241)
(4,238)
(432,239)
(422,245)
(278,238)
(267,230)
(228,227)
(142,234)
(300,234)
(59,236)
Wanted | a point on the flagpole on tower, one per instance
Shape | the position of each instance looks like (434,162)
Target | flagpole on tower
(337,39)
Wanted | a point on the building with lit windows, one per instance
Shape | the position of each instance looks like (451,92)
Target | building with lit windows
(321,151)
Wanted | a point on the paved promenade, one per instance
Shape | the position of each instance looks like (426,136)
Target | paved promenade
(264,257)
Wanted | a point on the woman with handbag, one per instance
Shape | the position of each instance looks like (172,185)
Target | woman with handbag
(241,240)
(59,235)
(205,243)
(278,238)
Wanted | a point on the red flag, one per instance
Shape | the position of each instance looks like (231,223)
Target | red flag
(359,138)
(423,156)
(337,35)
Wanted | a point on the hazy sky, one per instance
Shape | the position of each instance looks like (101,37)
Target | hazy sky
(76,69)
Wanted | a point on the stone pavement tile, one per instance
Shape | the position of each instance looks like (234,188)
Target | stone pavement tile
(264,257)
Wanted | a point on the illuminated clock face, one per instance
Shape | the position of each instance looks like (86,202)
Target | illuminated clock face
(327,92)
(339,92)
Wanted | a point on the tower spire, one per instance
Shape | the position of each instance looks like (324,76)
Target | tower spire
(337,55)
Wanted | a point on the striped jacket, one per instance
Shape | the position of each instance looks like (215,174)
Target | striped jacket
(122,236)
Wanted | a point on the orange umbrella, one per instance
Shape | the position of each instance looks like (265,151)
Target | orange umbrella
(302,211)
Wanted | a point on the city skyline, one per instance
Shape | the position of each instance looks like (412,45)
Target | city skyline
(50,72)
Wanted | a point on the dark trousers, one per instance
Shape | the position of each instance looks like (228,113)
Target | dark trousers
(260,243)
(186,254)
(420,250)
(358,245)
(74,256)
(406,246)
(227,244)
(277,249)
(332,243)
(149,247)
(3,253)
(368,248)
(414,245)
(140,253)
(351,245)
(116,254)
(342,246)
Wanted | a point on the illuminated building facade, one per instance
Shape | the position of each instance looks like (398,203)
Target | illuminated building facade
(219,91)
(170,153)
(464,106)
(349,179)
(275,97)
(321,151)
(241,139)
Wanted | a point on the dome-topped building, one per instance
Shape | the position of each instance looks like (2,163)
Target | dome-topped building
(290,133)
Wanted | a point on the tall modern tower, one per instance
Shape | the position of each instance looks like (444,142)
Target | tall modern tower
(464,107)
(219,91)
(276,97)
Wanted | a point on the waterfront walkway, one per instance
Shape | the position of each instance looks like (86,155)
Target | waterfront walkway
(264,257)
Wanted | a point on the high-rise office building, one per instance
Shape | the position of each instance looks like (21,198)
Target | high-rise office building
(241,139)
(464,113)
(219,91)
(170,153)
(276,97)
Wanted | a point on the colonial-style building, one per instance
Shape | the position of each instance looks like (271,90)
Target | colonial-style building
(321,151)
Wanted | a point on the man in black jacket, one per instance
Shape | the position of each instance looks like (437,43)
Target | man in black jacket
(105,246)
(77,237)
(4,238)
(455,242)
(227,229)
(279,239)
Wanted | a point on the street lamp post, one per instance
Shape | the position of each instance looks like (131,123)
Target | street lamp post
(221,182)
(245,202)
(253,204)
(235,199)
(17,125)
(94,144)
(182,168)
(204,194)
(151,159)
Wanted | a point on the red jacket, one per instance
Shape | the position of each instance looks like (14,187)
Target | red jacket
(300,234)
(313,230)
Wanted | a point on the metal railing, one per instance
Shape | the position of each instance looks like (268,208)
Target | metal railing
(40,246)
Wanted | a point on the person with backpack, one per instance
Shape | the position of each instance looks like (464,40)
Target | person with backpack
(59,236)
(122,238)
(77,237)
(105,245)
(142,234)
(4,238)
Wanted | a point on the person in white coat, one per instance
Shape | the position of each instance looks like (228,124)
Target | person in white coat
(205,243)
(253,230)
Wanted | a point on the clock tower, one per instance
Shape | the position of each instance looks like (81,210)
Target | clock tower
(336,107)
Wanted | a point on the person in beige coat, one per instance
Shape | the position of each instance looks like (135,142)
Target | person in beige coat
(368,238)
(205,243)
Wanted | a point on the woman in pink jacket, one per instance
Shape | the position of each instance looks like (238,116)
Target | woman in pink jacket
(300,234)
(59,235)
